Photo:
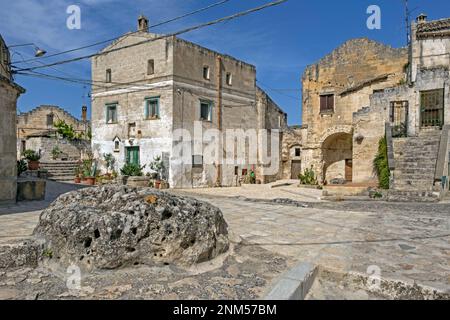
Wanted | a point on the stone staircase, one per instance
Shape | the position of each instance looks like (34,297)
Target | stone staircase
(415,166)
(62,171)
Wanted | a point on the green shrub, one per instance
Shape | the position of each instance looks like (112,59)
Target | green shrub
(132,170)
(381,166)
(21,167)
(31,155)
(65,130)
(56,152)
(308,178)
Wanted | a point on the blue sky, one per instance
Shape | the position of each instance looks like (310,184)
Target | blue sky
(281,41)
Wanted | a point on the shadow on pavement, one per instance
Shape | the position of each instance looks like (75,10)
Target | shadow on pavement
(53,190)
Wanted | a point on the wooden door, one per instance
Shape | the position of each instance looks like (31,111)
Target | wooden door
(133,155)
(349,170)
(296,169)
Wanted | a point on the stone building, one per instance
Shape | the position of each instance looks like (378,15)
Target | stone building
(160,94)
(36,131)
(338,144)
(365,90)
(418,115)
(9,93)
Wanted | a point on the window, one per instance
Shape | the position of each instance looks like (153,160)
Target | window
(150,67)
(432,108)
(206,110)
(111,113)
(206,73)
(50,118)
(229,79)
(236,171)
(327,103)
(108,76)
(24,146)
(298,152)
(197,161)
(152,108)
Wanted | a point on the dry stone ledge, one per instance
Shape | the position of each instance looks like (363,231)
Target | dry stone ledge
(113,226)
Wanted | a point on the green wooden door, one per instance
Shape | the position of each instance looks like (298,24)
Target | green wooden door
(133,155)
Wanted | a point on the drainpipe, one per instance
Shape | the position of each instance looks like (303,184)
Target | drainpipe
(219,118)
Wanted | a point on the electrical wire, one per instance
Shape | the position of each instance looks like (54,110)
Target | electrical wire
(203,25)
(113,39)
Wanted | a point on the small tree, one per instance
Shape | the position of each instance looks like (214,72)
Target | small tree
(110,161)
(158,166)
(65,130)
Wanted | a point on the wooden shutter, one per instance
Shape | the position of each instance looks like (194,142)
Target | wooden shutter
(330,102)
(323,103)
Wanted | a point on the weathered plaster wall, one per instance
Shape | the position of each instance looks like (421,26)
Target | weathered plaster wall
(428,52)
(179,83)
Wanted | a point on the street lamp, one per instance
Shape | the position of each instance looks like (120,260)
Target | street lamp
(38,51)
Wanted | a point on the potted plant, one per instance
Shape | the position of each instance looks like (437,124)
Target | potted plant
(132,174)
(77,172)
(110,162)
(91,177)
(32,158)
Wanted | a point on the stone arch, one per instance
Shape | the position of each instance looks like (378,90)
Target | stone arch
(337,156)
(348,129)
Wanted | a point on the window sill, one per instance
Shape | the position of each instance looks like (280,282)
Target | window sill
(205,120)
(153,119)
(327,113)
(111,123)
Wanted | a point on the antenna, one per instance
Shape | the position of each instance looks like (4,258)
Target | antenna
(407,13)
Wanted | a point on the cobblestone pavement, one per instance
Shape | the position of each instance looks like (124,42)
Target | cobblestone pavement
(409,242)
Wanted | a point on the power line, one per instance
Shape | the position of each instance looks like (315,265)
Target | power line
(278,91)
(203,25)
(113,39)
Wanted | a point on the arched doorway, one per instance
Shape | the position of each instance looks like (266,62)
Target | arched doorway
(337,156)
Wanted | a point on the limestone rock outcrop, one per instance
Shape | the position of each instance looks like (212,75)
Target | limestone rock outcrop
(113,226)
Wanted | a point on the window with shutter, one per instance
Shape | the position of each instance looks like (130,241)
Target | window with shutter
(327,103)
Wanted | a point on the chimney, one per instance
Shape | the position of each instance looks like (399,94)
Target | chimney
(142,24)
(84,113)
(422,18)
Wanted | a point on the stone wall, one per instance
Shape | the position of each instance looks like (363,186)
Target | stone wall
(70,150)
(9,93)
(293,138)
(34,122)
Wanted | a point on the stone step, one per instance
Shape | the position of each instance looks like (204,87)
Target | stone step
(413,195)
(62,178)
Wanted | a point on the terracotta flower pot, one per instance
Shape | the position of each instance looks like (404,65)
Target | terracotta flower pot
(90,181)
(77,180)
(33,165)
(157,184)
